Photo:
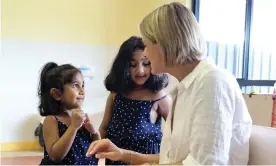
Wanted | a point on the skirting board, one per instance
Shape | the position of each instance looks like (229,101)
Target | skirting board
(20,146)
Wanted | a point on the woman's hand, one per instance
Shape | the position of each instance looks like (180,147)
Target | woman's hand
(105,149)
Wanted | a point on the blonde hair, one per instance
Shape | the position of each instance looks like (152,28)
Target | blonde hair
(174,27)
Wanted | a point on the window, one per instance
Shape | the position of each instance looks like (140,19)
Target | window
(239,37)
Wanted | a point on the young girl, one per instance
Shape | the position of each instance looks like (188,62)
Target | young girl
(67,130)
(132,118)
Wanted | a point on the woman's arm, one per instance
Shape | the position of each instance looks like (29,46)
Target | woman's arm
(133,158)
(106,149)
(57,147)
(211,122)
(107,115)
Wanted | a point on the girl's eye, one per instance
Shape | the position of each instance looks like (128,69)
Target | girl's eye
(132,65)
(76,85)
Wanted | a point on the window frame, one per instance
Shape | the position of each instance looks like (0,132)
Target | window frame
(244,81)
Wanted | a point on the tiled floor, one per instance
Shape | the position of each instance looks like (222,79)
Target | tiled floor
(21,158)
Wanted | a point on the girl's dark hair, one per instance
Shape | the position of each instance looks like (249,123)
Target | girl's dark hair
(53,76)
(118,80)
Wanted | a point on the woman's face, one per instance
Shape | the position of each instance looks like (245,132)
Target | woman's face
(154,53)
(140,68)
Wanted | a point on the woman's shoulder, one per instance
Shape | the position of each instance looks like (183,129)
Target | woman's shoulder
(213,72)
(218,76)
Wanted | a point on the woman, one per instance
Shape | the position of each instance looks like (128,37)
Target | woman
(209,123)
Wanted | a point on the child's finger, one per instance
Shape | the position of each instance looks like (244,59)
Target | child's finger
(86,116)
(86,120)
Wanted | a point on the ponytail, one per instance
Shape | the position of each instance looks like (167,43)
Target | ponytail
(44,89)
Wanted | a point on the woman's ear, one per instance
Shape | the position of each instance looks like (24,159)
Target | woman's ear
(56,94)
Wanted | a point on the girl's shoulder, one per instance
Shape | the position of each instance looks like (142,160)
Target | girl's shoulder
(154,96)
(50,119)
(57,118)
(159,95)
(112,95)
(49,122)
(143,95)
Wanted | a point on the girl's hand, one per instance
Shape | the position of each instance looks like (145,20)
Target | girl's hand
(77,118)
(105,149)
(88,125)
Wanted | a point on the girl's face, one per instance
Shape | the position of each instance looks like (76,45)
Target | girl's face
(140,68)
(74,94)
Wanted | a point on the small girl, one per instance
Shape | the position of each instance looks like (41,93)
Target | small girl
(67,130)
(132,118)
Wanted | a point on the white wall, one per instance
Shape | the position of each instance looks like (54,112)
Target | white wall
(260,108)
(20,64)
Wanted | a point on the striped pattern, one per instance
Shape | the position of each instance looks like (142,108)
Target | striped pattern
(230,57)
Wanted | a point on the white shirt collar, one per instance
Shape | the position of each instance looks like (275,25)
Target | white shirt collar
(189,79)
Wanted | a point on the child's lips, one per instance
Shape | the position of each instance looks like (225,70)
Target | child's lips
(140,76)
(81,98)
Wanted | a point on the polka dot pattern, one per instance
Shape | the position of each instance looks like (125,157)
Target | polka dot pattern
(77,153)
(131,128)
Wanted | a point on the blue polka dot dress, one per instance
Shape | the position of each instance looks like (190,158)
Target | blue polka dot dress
(131,128)
(76,155)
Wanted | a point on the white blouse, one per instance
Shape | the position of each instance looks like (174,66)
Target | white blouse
(209,123)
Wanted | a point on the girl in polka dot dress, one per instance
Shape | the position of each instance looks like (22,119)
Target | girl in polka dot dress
(136,104)
(67,130)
